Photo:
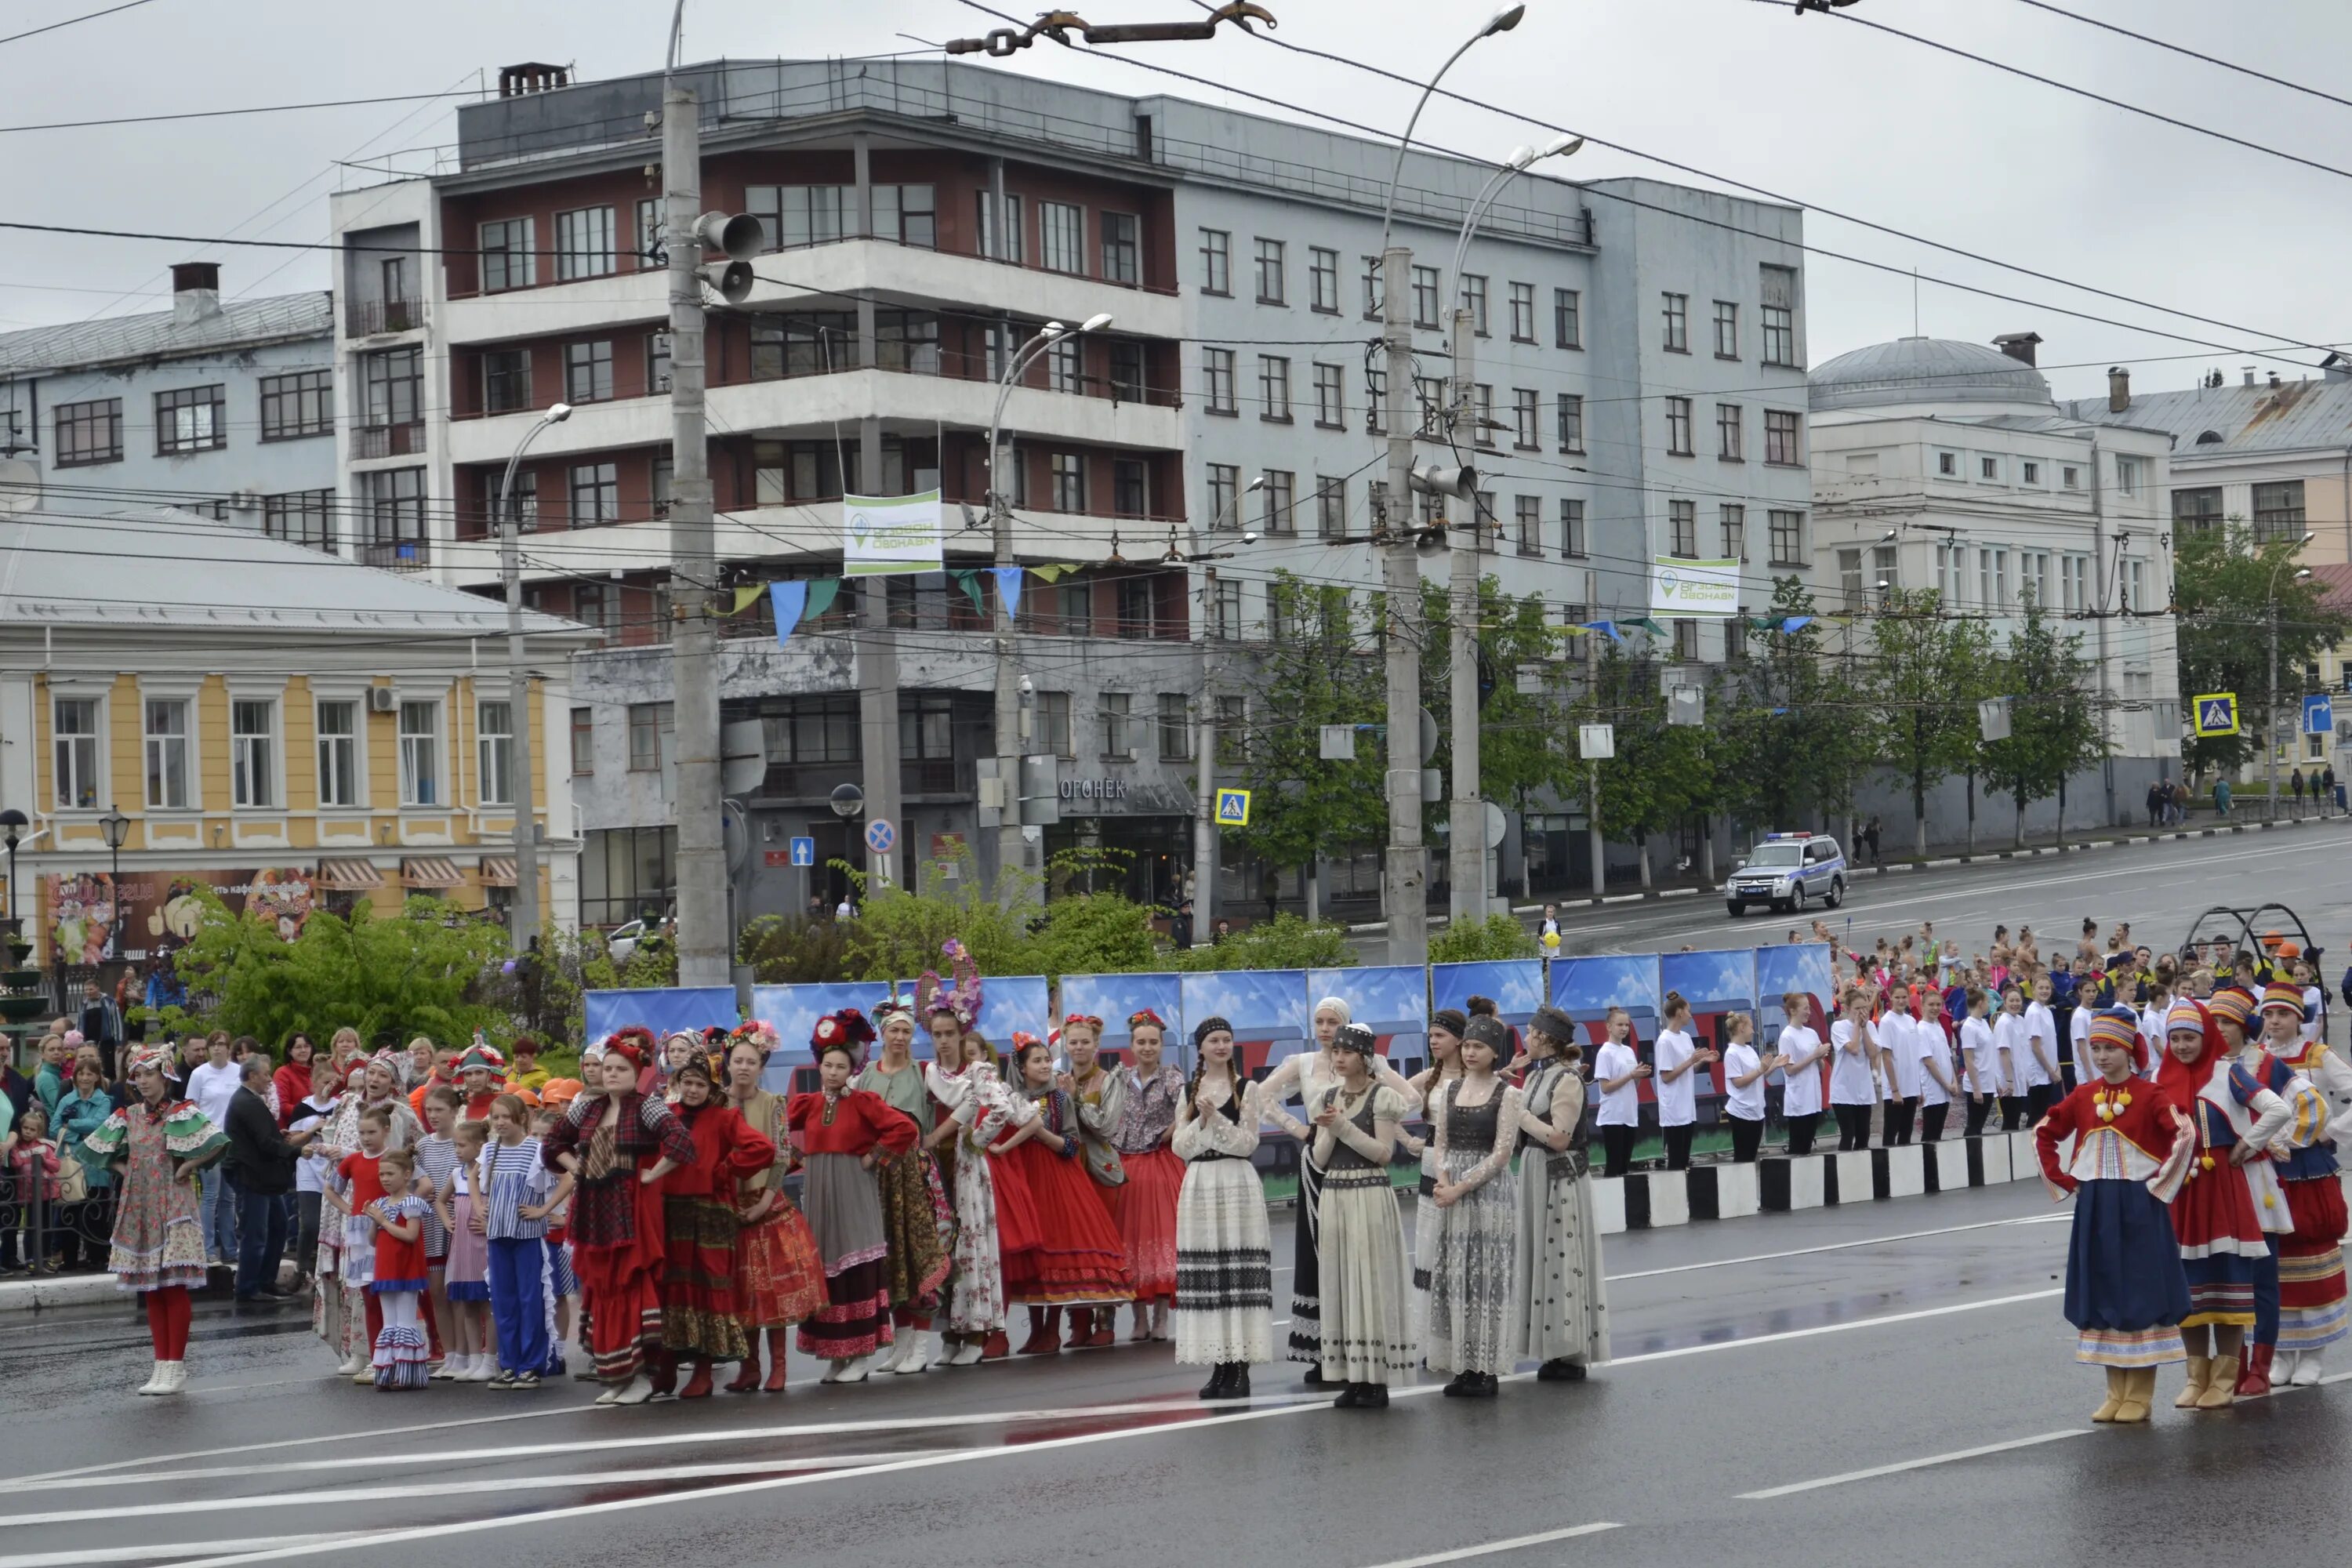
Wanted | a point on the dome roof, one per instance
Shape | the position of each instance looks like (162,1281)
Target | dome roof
(1925,370)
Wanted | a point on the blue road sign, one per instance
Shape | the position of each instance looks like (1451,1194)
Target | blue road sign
(880,836)
(2319,714)
(1233,807)
(803,851)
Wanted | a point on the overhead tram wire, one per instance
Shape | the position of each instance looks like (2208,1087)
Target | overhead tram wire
(2183,49)
(71,21)
(227,113)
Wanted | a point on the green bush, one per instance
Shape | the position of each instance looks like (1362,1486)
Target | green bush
(793,950)
(1477,941)
(1285,941)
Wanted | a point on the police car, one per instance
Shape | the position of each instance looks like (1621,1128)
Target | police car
(1786,870)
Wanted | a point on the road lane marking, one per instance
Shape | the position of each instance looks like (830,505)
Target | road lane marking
(162,1551)
(1514,1543)
(1830,1247)
(301,1441)
(1899,1467)
(1786,1334)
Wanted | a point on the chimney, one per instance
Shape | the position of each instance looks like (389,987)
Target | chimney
(2335,367)
(2019,346)
(196,291)
(2118,389)
(2274,380)
(2250,375)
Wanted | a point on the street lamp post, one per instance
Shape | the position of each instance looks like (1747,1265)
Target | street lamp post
(12,825)
(526,812)
(1000,517)
(117,828)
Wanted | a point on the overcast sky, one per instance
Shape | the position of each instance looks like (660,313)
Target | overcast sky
(1817,108)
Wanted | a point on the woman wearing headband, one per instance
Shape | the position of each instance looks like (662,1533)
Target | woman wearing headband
(1225,1258)
(701,1310)
(1098,1097)
(979,1109)
(1365,1342)
(1445,1028)
(1470,1328)
(1145,1204)
(915,1219)
(1562,1307)
(844,1133)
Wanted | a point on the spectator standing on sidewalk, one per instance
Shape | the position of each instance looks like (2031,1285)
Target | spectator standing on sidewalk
(260,1174)
(2221,798)
(2294,786)
(2156,794)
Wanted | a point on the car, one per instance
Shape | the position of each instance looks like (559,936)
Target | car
(1785,870)
(621,942)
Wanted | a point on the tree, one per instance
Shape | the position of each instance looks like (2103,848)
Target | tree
(2052,730)
(1923,687)
(2224,582)
(1792,736)
(1007,928)
(1660,770)
(1285,941)
(1473,941)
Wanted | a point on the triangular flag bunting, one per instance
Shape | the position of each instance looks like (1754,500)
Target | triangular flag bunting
(970,583)
(1609,627)
(789,599)
(1796,623)
(1008,589)
(821,596)
(746,594)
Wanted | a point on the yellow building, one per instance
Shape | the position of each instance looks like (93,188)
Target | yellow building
(294,730)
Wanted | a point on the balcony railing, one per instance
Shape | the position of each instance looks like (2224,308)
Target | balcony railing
(367,317)
(397,554)
(388,441)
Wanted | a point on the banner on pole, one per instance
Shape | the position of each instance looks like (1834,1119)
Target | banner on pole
(882,535)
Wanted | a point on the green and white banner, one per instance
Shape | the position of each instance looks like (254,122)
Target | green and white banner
(882,535)
(1694,590)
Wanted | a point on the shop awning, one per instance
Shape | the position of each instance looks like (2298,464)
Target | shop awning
(498,871)
(430,871)
(348,874)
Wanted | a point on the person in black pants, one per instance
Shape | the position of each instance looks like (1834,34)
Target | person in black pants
(1935,1065)
(260,1174)
(1743,1086)
(1617,1073)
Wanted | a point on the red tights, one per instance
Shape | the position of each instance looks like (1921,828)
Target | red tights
(908,1318)
(167,1322)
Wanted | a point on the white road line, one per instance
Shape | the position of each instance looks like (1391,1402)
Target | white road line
(161,1550)
(745,1489)
(1896,1469)
(1514,1544)
(1830,1247)
(303,1442)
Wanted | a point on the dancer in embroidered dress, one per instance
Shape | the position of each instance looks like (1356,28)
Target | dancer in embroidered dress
(1224,1256)
(2125,1291)
(1562,1306)
(979,1109)
(778,1273)
(2308,1076)
(842,1133)
(1365,1340)
(1445,1027)
(1145,1204)
(1076,1258)
(339,1308)
(2236,1013)
(917,1221)
(154,1146)
(700,1317)
(1470,1328)
(1098,1097)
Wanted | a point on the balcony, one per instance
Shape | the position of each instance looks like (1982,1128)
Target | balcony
(388,441)
(397,554)
(373,318)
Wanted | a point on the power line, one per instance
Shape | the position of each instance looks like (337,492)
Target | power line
(226,113)
(2192,54)
(70,21)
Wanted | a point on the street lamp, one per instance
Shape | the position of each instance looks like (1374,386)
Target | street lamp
(117,828)
(1502,21)
(524,929)
(13,823)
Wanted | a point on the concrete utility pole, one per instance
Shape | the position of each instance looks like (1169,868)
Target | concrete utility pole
(527,920)
(1467,817)
(877,644)
(1404,876)
(705,953)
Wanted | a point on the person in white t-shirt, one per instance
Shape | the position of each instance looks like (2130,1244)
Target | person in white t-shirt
(1800,1052)
(1617,1073)
(2009,1042)
(2040,1052)
(1854,1075)
(212,1084)
(2151,1024)
(1680,1064)
(1744,1072)
(2078,1031)
(1898,1065)
(1933,1051)
(1981,1059)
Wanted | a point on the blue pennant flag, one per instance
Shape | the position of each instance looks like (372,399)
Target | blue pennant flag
(1008,589)
(789,599)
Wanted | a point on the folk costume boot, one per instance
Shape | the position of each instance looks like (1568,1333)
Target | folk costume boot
(2140,1393)
(996,1347)
(1044,1331)
(777,1339)
(1104,1333)
(1237,1386)
(2221,1391)
(2307,1368)
(698,1386)
(157,1380)
(663,1367)
(2255,1381)
(2201,1368)
(2107,1412)
(1142,1324)
(1082,1327)
(1219,1377)
(747,1374)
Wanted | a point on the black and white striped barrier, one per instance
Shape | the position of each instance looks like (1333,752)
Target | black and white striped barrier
(1653,1200)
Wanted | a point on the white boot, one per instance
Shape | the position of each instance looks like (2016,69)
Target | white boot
(157,1379)
(640,1389)
(353,1364)
(853,1370)
(449,1369)
(966,1353)
(175,1377)
(887,1361)
(2308,1369)
(919,1354)
(485,1367)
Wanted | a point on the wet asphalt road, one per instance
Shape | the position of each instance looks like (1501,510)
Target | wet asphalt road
(1782,1352)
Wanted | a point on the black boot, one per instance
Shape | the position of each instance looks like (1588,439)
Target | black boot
(1482,1385)
(1559,1370)
(1350,1398)
(1375,1397)
(1463,1384)
(1216,1387)
(1313,1378)
(1238,1385)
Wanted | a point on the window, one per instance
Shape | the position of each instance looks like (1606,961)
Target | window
(2029,472)
(1481,413)
(1125,371)
(507,255)
(296,405)
(1135,612)
(253,753)
(909,215)
(1677,314)
(1682,529)
(1274,388)
(1571,530)
(1992,580)
(1787,538)
(1474,299)
(166,722)
(1217,373)
(2071,477)
(420,753)
(521,501)
(1330,398)
(1529,514)
(1734,518)
(1281,493)
(1062,236)
(1323,280)
(598,605)
(1726,330)
(1951,576)
(1123,248)
(1780,438)
(2278,508)
(1947,464)
(2074,584)
(1780,306)
(1216,261)
(794,216)
(1571,422)
(74,724)
(1424,297)
(1130,491)
(90,432)
(1069,482)
(494,733)
(1523,312)
(588,372)
(628,872)
(2197,510)
(647,721)
(927,730)
(664,472)
(1686,641)
(191,419)
(1375,289)
(1118,724)
(1567,318)
(1331,507)
(1224,492)
(1988,469)
(656,362)
(1678,427)
(1232,729)
(1729,428)
(584,243)
(1175,728)
(1065,364)
(394,383)
(1010,249)
(1886,571)
(301,517)
(1524,418)
(1488,519)
(650,254)
(2033,576)
(339,754)
(1225,610)
(1850,578)
(506,381)
(2128,477)
(595,494)
(1270,270)
(394,499)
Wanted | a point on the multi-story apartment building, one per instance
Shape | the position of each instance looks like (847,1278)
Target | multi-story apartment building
(1231,395)
(226,409)
(250,715)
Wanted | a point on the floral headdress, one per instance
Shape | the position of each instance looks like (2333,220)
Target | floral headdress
(637,1043)
(962,999)
(1084,1020)
(757,1033)
(1145,1016)
(846,1027)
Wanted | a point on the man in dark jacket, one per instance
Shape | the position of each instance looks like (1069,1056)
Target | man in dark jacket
(260,1174)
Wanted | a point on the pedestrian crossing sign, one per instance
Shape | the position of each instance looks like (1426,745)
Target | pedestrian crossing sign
(2217,714)
(1233,807)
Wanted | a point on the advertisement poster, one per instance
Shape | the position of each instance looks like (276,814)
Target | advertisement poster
(1267,1008)
(1389,999)
(87,923)
(881,535)
(1694,590)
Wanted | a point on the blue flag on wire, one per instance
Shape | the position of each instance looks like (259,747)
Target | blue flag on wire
(1008,589)
(789,599)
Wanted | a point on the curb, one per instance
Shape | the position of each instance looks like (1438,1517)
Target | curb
(60,1290)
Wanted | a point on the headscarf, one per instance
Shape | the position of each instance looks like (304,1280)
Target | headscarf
(158,1057)
(846,1027)
(1453,1020)
(2178,1081)
(1494,1035)
(1333,1005)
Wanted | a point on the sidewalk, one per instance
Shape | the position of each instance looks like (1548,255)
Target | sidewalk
(50,1292)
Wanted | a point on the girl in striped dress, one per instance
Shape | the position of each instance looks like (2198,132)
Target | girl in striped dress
(1224,1257)
(1470,1328)
(398,1282)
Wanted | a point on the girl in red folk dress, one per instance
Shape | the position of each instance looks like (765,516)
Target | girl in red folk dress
(619,1144)
(1145,1204)
(2236,1010)
(842,1133)
(1075,1259)
(780,1275)
(2311,1297)
(2217,1214)
(2126,1292)
(699,1320)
